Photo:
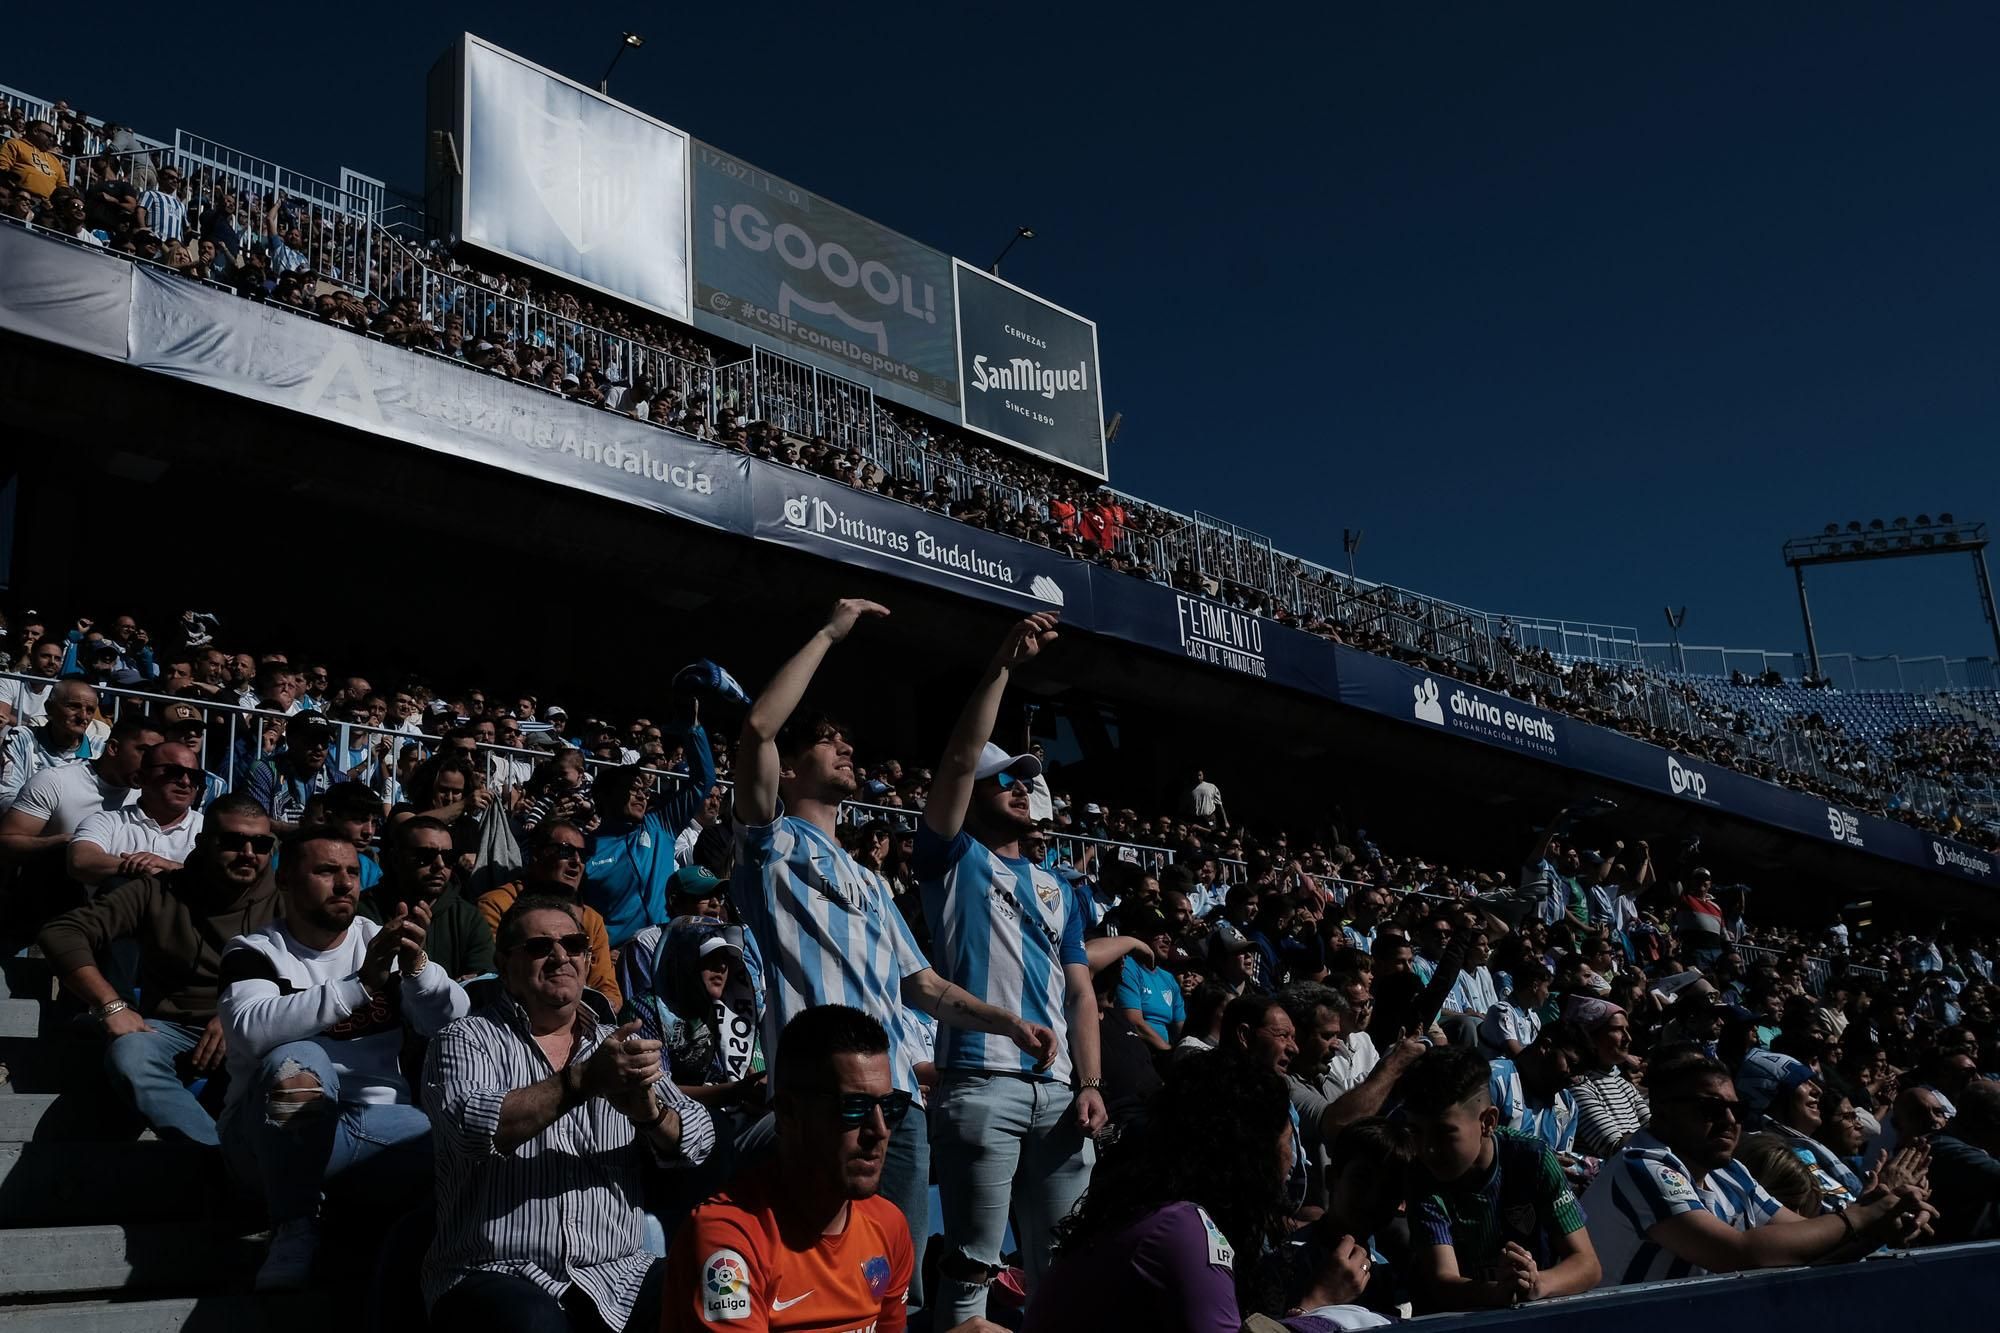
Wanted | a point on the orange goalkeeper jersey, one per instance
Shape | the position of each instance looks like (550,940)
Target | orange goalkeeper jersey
(731,1271)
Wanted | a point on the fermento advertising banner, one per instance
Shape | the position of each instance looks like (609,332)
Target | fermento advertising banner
(557,176)
(778,265)
(1028,371)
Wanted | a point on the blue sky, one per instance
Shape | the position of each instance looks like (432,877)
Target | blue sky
(1576,309)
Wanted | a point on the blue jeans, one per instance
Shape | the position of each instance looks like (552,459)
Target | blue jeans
(1002,1141)
(385,1150)
(141,1066)
(906,1182)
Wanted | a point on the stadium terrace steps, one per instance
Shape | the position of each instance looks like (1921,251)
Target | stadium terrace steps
(79,1182)
(183,1314)
(20,1018)
(133,1256)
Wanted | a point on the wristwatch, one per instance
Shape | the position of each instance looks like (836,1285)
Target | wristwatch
(1090,1085)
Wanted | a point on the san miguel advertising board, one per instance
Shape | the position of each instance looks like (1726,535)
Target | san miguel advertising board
(1028,370)
(777,265)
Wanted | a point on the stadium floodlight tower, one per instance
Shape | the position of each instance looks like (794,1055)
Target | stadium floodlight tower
(1836,545)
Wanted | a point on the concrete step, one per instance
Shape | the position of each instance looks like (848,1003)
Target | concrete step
(20,1018)
(26,979)
(51,1261)
(68,1117)
(53,1064)
(55,1183)
(292,1313)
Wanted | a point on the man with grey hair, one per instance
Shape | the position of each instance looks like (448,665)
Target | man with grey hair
(63,739)
(1321,1015)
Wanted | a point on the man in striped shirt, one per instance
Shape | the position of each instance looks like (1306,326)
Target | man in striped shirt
(166,212)
(1010,1136)
(537,1107)
(1675,1203)
(824,930)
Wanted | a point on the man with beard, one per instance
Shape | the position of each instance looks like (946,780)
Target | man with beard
(1009,1136)
(29,699)
(823,929)
(1674,1202)
(313,1010)
(180,920)
(417,868)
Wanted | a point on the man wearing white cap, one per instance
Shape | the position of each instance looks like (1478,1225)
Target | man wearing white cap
(1008,1133)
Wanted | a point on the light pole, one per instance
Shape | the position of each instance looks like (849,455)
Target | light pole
(1675,619)
(1350,541)
(626,42)
(1020,234)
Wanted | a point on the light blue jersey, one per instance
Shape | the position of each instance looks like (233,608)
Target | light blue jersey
(823,930)
(1002,929)
(1554,1124)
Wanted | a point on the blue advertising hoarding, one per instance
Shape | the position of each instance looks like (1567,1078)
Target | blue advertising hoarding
(780,266)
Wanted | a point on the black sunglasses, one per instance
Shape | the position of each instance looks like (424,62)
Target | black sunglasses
(562,851)
(1713,1109)
(428,856)
(541,946)
(852,1108)
(260,843)
(176,773)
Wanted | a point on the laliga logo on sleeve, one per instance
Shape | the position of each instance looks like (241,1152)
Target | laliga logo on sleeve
(1686,780)
(725,1286)
(1428,709)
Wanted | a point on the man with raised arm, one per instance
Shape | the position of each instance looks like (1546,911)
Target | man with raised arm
(824,929)
(1009,1133)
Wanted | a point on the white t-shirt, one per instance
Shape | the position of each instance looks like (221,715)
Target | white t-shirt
(64,797)
(1353,1062)
(124,831)
(28,699)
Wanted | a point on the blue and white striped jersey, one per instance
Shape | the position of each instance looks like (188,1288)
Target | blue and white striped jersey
(1554,1124)
(1645,1184)
(822,930)
(1003,929)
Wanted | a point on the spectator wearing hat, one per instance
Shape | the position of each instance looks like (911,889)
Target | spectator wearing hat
(1009,1136)
(631,855)
(555,870)
(64,737)
(284,782)
(419,865)
(151,836)
(180,920)
(185,724)
(823,929)
(1674,1202)
(691,892)
(1782,1097)
(1148,992)
(1609,1108)
(1230,964)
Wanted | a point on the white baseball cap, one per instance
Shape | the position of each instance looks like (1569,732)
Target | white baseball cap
(994,760)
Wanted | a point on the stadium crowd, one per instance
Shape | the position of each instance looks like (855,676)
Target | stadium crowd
(94,183)
(572,1005)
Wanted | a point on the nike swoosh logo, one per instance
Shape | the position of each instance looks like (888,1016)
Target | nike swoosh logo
(786,1305)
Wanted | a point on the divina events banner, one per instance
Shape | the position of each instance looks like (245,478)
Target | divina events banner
(1028,371)
(778,265)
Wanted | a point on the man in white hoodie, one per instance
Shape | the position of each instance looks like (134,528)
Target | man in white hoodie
(313,1008)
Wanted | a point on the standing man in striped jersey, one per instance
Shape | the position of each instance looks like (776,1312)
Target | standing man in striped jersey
(825,930)
(1010,1133)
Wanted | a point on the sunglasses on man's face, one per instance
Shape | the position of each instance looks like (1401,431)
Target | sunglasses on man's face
(1007,780)
(428,856)
(175,773)
(539,947)
(563,851)
(260,843)
(852,1108)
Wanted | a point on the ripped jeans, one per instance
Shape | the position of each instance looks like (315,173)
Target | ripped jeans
(287,1147)
(1002,1143)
